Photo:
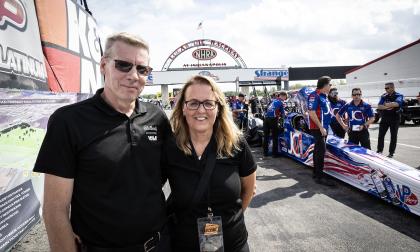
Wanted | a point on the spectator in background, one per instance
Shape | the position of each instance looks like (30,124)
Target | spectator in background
(390,106)
(319,119)
(275,111)
(253,102)
(336,104)
(360,117)
(240,112)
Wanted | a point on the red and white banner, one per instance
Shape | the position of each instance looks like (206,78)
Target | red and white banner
(71,46)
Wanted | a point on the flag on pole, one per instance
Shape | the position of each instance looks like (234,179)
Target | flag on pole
(200,25)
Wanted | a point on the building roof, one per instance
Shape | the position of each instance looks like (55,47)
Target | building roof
(384,56)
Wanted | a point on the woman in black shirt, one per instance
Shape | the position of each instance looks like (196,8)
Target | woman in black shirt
(204,131)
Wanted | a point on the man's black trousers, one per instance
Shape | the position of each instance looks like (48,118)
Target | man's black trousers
(337,129)
(360,137)
(318,153)
(271,125)
(393,124)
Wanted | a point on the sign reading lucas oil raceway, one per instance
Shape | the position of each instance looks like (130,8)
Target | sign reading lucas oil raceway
(214,59)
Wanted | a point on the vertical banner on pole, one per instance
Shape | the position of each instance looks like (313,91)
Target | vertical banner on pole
(71,46)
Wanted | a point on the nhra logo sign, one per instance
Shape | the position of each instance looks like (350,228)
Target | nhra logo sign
(12,13)
(204,54)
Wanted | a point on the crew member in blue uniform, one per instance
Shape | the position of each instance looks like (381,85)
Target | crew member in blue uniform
(390,106)
(360,116)
(275,111)
(319,120)
(336,104)
(240,112)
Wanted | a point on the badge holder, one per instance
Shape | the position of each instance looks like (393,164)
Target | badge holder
(357,127)
(210,233)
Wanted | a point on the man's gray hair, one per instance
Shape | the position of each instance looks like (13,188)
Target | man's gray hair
(127,38)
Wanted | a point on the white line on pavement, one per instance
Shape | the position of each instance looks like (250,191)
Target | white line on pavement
(407,145)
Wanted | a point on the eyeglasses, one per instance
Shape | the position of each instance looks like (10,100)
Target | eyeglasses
(387,88)
(334,93)
(195,104)
(126,67)
(357,94)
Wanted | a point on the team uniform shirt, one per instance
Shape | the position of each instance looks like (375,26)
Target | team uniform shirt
(394,97)
(335,107)
(237,104)
(114,160)
(358,114)
(275,109)
(223,194)
(319,103)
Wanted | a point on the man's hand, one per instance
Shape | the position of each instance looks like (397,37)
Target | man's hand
(323,131)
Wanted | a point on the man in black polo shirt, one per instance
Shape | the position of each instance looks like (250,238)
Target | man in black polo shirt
(390,106)
(101,159)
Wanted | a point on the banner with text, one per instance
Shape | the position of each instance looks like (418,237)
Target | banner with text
(23,122)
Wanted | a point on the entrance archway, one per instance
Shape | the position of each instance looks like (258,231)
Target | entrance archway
(206,44)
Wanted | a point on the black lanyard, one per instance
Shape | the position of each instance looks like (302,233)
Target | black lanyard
(209,155)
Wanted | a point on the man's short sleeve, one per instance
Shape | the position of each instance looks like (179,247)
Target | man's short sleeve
(400,100)
(343,109)
(57,155)
(281,108)
(312,102)
(382,100)
(247,163)
(369,111)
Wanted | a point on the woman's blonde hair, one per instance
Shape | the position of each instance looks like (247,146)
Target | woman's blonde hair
(224,129)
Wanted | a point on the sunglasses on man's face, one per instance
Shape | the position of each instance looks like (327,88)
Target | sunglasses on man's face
(126,67)
(357,94)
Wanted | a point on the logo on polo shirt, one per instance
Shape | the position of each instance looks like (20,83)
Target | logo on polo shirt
(152,138)
(150,127)
(151,132)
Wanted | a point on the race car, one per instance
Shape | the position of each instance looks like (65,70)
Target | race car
(385,178)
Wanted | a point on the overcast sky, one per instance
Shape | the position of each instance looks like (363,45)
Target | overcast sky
(268,33)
